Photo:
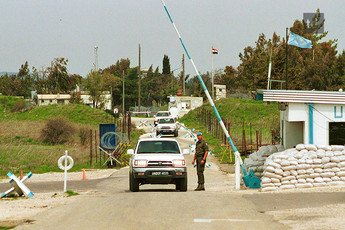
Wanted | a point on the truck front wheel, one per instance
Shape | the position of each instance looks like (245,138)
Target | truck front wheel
(133,183)
(182,185)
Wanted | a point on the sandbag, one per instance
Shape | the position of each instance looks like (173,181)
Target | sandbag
(322,184)
(310,147)
(300,147)
(288,178)
(335,178)
(270,169)
(263,185)
(327,174)
(287,186)
(275,180)
(336,183)
(301,181)
(337,147)
(266,189)
(324,147)
(340,173)
(329,165)
(335,159)
(272,175)
(314,175)
(306,185)
(288,168)
(325,160)
(318,180)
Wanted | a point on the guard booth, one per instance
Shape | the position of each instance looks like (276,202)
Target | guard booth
(309,117)
(113,144)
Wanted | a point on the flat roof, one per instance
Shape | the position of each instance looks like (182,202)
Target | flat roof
(304,96)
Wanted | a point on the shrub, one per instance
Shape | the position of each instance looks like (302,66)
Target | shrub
(83,134)
(18,106)
(76,98)
(57,131)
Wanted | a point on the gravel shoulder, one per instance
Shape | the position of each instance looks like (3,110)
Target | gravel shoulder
(16,210)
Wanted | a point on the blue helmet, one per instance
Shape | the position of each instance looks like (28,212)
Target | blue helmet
(199,134)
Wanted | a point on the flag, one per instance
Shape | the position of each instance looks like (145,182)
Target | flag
(214,51)
(299,41)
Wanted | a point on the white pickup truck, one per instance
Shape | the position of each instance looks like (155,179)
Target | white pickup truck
(157,161)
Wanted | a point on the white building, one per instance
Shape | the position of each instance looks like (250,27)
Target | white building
(49,99)
(310,117)
(181,105)
(220,91)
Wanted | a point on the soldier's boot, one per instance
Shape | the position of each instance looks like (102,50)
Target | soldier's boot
(202,187)
(198,188)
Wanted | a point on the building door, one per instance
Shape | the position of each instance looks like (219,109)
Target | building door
(337,133)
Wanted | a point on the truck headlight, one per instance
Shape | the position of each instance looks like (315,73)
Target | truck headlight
(179,163)
(140,163)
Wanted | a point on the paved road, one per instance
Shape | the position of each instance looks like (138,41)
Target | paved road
(113,206)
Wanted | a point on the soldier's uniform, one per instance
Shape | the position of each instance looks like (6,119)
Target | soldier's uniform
(200,150)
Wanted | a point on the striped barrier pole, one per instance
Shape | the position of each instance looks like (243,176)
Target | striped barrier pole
(238,160)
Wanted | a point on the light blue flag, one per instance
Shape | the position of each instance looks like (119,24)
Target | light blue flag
(299,41)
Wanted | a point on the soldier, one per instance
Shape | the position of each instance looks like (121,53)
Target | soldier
(201,152)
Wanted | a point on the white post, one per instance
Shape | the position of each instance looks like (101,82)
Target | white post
(269,76)
(212,75)
(65,182)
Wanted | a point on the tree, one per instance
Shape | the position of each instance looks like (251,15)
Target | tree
(166,65)
(58,78)
(94,83)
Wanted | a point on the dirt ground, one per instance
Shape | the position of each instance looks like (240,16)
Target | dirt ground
(16,210)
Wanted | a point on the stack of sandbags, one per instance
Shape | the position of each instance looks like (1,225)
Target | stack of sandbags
(305,166)
(256,160)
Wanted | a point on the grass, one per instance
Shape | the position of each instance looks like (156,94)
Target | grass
(240,113)
(71,193)
(5,228)
(21,148)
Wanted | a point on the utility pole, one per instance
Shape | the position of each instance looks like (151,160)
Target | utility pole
(139,80)
(123,92)
(96,58)
(183,77)
(286,61)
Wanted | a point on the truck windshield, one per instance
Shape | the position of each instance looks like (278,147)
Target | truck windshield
(158,147)
(163,114)
(166,121)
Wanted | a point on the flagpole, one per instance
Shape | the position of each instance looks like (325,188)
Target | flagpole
(286,62)
(238,159)
(212,75)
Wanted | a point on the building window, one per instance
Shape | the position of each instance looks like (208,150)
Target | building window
(42,101)
(336,133)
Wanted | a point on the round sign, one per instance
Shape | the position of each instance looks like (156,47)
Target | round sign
(61,162)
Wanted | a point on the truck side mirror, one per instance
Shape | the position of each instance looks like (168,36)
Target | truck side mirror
(186,152)
(130,151)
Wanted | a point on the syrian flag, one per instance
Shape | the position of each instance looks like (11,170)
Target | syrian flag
(214,51)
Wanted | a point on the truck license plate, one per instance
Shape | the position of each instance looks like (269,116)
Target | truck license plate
(160,173)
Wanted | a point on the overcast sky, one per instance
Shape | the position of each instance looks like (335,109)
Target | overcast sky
(39,30)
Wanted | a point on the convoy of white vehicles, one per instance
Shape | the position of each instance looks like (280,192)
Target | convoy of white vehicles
(159,160)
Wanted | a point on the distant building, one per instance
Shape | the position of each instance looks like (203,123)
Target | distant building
(220,91)
(310,117)
(181,105)
(49,99)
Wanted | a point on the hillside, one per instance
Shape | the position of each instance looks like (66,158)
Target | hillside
(21,144)
(255,117)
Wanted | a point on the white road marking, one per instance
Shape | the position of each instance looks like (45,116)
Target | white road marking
(229,220)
